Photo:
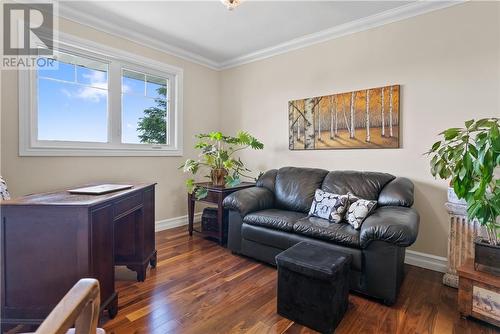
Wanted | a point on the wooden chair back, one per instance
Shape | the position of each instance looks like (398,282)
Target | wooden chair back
(79,307)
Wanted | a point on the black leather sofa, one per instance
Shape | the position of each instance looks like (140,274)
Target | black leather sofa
(271,217)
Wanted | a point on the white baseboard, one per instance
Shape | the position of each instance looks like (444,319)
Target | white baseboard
(169,223)
(427,261)
(418,259)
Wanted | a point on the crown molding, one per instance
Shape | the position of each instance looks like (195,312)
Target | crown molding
(133,36)
(366,23)
(393,15)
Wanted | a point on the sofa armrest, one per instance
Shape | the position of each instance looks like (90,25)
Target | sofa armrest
(397,192)
(249,200)
(394,224)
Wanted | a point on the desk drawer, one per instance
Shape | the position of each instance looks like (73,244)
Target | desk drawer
(128,203)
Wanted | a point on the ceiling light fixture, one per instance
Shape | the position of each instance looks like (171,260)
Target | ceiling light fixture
(231,4)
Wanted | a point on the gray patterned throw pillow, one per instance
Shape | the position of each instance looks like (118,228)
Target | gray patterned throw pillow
(358,210)
(329,206)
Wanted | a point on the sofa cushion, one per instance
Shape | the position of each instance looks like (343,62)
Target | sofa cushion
(274,218)
(283,240)
(295,187)
(341,233)
(366,185)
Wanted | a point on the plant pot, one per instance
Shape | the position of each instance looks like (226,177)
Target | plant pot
(218,177)
(453,198)
(486,256)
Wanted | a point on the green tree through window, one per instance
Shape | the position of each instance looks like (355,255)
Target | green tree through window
(152,128)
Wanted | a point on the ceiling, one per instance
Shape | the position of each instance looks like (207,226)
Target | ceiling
(209,33)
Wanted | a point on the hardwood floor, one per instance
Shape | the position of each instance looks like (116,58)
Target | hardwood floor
(200,287)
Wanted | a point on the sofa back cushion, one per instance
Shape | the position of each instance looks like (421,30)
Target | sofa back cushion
(295,187)
(366,185)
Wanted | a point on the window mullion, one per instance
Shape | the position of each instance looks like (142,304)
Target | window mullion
(171,111)
(115,104)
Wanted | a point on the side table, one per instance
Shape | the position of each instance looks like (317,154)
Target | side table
(216,195)
(478,294)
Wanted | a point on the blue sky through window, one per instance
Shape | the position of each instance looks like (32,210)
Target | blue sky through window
(64,115)
(71,109)
(73,101)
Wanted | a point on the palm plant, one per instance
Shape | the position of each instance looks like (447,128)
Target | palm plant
(470,156)
(217,154)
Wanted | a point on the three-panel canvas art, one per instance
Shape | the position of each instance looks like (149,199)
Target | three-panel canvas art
(366,118)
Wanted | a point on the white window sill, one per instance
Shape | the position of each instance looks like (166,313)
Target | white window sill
(101,152)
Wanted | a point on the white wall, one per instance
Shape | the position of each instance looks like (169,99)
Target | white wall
(447,63)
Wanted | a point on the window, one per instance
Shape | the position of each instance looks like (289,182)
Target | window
(100,101)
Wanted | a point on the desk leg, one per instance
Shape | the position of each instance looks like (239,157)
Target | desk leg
(190,213)
(140,270)
(153,259)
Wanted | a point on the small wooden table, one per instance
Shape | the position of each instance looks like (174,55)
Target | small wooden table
(478,294)
(216,195)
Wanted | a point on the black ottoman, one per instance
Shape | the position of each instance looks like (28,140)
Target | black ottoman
(313,285)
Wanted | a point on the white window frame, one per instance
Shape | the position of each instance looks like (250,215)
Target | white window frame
(117,60)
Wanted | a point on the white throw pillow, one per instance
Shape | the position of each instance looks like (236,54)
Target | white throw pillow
(358,210)
(329,206)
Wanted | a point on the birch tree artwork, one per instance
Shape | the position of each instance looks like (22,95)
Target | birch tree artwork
(331,117)
(309,133)
(382,105)
(351,135)
(367,115)
(367,118)
(291,119)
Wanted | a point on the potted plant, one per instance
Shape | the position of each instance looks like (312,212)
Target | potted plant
(217,154)
(470,157)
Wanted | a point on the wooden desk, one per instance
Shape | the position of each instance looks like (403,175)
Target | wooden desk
(51,240)
(216,196)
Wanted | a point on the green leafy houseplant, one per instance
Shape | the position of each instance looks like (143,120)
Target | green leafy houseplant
(217,154)
(470,157)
